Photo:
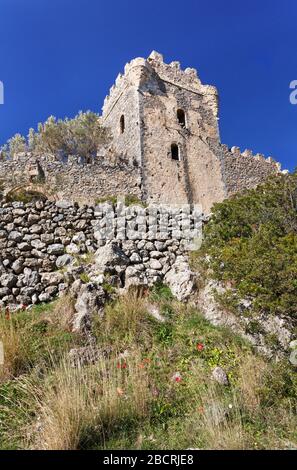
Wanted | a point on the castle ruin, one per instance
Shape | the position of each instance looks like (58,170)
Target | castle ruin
(165,144)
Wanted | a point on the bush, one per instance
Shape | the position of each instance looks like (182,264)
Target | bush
(251,241)
(25,196)
(80,136)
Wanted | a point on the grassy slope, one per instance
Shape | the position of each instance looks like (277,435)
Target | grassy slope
(154,391)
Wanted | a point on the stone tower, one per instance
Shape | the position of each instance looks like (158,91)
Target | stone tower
(164,121)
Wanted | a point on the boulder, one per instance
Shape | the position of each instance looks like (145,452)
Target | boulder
(219,375)
(17,266)
(4,291)
(155,264)
(110,256)
(154,311)
(56,249)
(90,301)
(180,279)
(64,204)
(44,297)
(72,249)
(8,280)
(64,260)
(31,278)
(15,236)
(52,279)
(135,276)
(38,244)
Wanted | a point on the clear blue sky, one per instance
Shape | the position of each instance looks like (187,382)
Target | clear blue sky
(61,56)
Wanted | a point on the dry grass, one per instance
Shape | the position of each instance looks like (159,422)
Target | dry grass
(63,312)
(82,406)
(214,420)
(251,372)
(12,348)
(221,425)
(26,336)
(126,318)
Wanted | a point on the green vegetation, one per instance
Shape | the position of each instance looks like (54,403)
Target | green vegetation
(130,200)
(156,377)
(25,196)
(251,243)
(80,136)
(111,199)
(152,385)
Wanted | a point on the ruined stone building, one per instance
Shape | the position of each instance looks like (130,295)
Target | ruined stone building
(165,122)
(165,144)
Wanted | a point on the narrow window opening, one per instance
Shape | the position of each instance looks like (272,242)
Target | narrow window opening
(174,152)
(181,117)
(122,124)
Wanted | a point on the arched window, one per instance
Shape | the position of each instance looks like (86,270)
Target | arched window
(122,124)
(175,152)
(181,117)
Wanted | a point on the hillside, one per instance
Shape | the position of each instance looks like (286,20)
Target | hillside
(150,372)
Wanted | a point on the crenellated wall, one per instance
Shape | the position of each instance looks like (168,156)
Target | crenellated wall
(243,170)
(141,112)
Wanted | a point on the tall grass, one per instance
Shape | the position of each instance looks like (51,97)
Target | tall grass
(81,407)
(29,336)
(128,399)
(12,347)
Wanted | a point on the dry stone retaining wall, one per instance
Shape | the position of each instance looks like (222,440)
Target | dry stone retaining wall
(46,246)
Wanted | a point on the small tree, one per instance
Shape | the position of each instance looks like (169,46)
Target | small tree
(33,140)
(17,144)
(80,136)
(3,152)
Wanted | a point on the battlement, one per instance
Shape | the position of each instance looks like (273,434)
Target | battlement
(245,170)
(139,70)
(165,146)
(236,152)
(174,74)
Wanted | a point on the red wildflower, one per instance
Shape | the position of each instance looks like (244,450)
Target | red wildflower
(122,365)
(200,346)
(144,362)
(176,377)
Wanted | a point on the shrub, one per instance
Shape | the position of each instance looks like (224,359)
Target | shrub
(80,136)
(251,243)
(25,196)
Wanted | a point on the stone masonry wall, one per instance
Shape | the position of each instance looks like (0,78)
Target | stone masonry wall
(83,183)
(244,170)
(138,160)
(148,95)
(46,245)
